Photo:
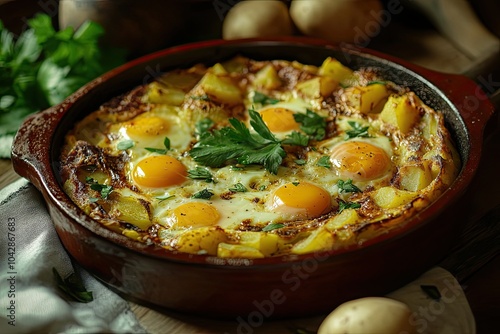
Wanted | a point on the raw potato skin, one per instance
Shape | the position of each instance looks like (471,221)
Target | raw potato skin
(254,18)
(350,21)
(368,315)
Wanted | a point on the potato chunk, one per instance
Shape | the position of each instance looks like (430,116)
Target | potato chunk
(320,239)
(317,87)
(131,210)
(266,243)
(221,89)
(415,178)
(401,111)
(238,251)
(346,217)
(201,240)
(267,78)
(334,69)
(390,197)
(158,93)
(367,99)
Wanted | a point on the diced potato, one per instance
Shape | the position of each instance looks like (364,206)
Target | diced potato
(367,99)
(131,234)
(184,81)
(334,69)
(221,89)
(201,240)
(218,69)
(390,197)
(414,178)
(158,93)
(320,239)
(346,217)
(266,243)
(238,251)
(132,210)
(267,78)
(401,112)
(317,87)
(430,127)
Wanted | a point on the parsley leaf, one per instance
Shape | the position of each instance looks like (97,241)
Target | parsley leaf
(347,186)
(166,143)
(312,124)
(237,143)
(376,82)
(300,162)
(203,194)
(202,126)
(272,226)
(125,145)
(200,173)
(238,188)
(103,189)
(348,205)
(357,130)
(324,161)
(297,139)
(73,286)
(264,99)
(164,197)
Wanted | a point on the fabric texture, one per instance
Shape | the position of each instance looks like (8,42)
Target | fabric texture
(31,300)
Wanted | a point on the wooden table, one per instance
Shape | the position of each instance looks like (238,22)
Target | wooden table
(424,46)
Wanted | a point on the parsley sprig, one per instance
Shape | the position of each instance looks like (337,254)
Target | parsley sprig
(238,143)
(347,186)
(357,130)
(103,189)
(348,205)
(200,173)
(166,143)
(259,97)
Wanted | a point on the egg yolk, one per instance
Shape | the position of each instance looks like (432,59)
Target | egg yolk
(147,126)
(360,161)
(301,200)
(196,214)
(279,119)
(159,171)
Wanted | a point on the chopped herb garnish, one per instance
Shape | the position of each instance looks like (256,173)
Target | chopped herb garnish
(236,168)
(103,189)
(347,186)
(237,143)
(203,194)
(93,199)
(297,139)
(164,197)
(73,286)
(125,145)
(166,143)
(262,187)
(264,99)
(312,124)
(295,183)
(239,188)
(300,162)
(203,97)
(272,226)
(357,130)
(324,161)
(348,205)
(431,291)
(200,173)
(203,126)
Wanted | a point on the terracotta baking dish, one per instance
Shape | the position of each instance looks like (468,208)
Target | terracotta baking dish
(272,287)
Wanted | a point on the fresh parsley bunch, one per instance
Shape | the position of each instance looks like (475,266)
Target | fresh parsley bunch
(43,66)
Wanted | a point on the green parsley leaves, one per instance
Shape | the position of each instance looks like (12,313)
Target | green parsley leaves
(272,226)
(166,143)
(348,205)
(203,194)
(357,130)
(347,187)
(312,124)
(263,99)
(44,66)
(103,189)
(200,173)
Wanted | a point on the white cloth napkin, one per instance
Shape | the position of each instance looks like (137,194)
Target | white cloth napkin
(30,300)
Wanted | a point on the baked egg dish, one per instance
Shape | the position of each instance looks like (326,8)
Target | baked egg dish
(254,159)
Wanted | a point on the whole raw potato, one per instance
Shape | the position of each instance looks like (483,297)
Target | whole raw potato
(350,21)
(255,18)
(368,315)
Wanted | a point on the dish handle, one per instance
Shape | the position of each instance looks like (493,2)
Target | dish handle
(31,147)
